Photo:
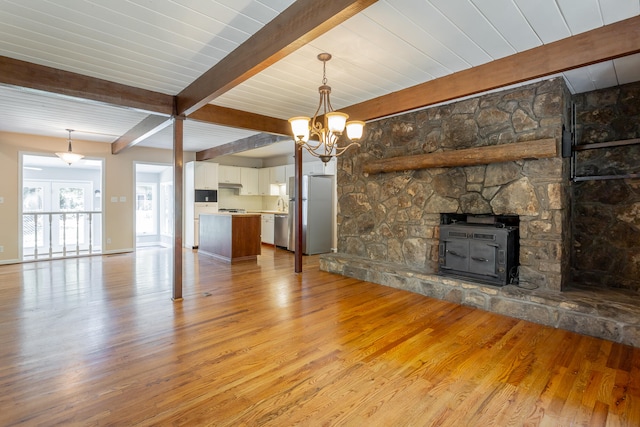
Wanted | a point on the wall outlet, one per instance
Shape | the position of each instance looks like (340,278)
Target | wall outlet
(1,249)
(108,241)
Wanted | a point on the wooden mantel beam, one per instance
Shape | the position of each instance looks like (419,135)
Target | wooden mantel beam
(539,149)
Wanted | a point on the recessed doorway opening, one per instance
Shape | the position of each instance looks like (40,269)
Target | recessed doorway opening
(61,213)
(153,204)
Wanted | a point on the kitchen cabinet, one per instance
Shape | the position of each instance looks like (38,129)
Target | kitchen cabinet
(330,168)
(228,174)
(205,176)
(199,172)
(313,168)
(278,175)
(249,178)
(264,181)
(319,168)
(230,237)
(268,221)
(290,170)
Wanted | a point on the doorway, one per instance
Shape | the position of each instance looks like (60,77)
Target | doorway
(153,204)
(61,213)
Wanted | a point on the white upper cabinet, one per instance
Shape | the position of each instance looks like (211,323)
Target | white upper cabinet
(278,175)
(249,178)
(264,181)
(313,168)
(205,176)
(228,174)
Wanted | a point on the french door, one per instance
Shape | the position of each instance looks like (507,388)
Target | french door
(58,219)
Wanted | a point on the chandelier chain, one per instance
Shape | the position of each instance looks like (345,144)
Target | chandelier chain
(324,72)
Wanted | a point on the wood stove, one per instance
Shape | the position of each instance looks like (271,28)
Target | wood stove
(482,248)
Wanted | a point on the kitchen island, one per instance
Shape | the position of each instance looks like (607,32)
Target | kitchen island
(230,237)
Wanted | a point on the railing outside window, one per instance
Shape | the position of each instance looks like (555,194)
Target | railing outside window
(49,235)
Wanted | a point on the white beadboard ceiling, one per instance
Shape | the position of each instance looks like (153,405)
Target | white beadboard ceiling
(164,45)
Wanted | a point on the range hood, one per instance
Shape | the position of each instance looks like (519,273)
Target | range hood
(233,186)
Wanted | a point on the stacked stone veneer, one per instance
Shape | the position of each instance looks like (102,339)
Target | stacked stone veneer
(607,212)
(393,218)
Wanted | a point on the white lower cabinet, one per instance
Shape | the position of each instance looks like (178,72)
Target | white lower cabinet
(268,223)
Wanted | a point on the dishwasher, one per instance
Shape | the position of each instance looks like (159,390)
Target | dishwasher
(281,230)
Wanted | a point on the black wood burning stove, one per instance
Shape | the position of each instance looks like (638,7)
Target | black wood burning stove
(482,248)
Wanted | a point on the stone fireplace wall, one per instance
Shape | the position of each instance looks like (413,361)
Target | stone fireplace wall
(606,214)
(394,217)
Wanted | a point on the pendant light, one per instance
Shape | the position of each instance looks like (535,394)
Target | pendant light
(69,156)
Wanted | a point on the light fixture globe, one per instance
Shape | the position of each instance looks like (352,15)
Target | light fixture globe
(300,128)
(327,125)
(69,156)
(355,129)
(336,122)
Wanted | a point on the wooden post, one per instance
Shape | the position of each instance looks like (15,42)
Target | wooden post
(298,209)
(178,163)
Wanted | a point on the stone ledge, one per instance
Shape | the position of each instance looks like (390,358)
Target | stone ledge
(607,314)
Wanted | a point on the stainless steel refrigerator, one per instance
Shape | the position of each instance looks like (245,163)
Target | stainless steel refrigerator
(317,214)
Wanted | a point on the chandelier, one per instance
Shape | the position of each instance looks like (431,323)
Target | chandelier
(69,156)
(329,129)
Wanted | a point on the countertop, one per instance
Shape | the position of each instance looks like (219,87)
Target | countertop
(269,212)
(231,213)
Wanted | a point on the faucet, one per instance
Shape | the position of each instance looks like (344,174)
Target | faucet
(280,204)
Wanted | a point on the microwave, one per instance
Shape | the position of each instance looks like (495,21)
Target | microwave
(206,196)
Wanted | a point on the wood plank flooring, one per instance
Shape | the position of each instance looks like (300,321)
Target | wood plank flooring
(98,341)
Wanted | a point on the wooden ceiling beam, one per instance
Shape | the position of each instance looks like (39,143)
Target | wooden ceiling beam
(241,145)
(224,116)
(147,127)
(605,43)
(302,22)
(18,73)
(299,24)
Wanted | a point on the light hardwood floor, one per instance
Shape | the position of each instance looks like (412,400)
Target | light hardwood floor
(98,341)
